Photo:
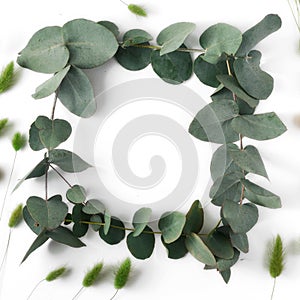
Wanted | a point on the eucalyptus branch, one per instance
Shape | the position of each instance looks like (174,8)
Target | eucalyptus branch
(54,105)
(60,175)
(156,47)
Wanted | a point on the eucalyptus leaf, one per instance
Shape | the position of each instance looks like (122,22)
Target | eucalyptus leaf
(255,34)
(67,161)
(248,159)
(51,85)
(140,220)
(232,84)
(233,193)
(76,194)
(194,218)
(172,37)
(76,93)
(239,241)
(225,264)
(135,37)
(226,275)
(177,249)
(80,229)
(171,225)
(141,246)
(218,39)
(46,51)
(116,232)
(259,127)
(94,206)
(111,27)
(31,223)
(241,218)
(65,236)
(260,196)
(96,219)
(107,222)
(174,67)
(90,44)
(199,250)
(34,138)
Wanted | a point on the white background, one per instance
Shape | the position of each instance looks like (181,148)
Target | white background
(157,277)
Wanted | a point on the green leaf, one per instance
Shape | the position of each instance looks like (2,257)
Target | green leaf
(254,35)
(93,207)
(135,37)
(199,250)
(207,73)
(116,232)
(176,249)
(78,217)
(51,132)
(241,218)
(173,36)
(51,85)
(90,44)
(233,193)
(252,79)
(45,52)
(194,218)
(96,219)
(171,225)
(225,182)
(248,159)
(226,275)
(231,83)
(38,242)
(134,58)
(260,196)
(141,246)
(67,161)
(31,223)
(34,138)
(218,39)
(65,236)
(107,222)
(140,220)
(240,241)
(47,214)
(174,67)
(76,194)
(259,127)
(76,93)
(80,229)
(111,27)
(225,264)
(219,245)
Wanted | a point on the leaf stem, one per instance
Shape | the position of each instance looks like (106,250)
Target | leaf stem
(46,184)
(78,293)
(6,250)
(54,105)
(61,176)
(274,284)
(8,184)
(115,294)
(36,286)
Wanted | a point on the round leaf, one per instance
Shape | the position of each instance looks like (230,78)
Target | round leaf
(116,232)
(46,51)
(96,219)
(176,249)
(93,206)
(142,246)
(194,218)
(110,26)
(135,37)
(76,194)
(90,44)
(140,220)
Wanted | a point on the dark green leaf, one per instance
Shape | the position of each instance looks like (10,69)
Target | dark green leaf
(172,37)
(233,193)
(34,138)
(134,58)
(174,67)
(31,222)
(76,93)
(260,196)
(38,242)
(199,250)
(116,232)
(80,229)
(51,132)
(252,79)
(219,245)
(140,220)
(226,275)
(241,218)
(239,241)
(135,37)
(93,207)
(142,246)
(110,26)
(67,161)
(171,225)
(65,236)
(51,85)
(254,35)
(207,73)
(231,83)
(96,219)
(176,249)
(90,44)
(225,264)
(194,218)
(76,194)
(46,51)
(218,39)
(48,214)
(107,222)
(259,127)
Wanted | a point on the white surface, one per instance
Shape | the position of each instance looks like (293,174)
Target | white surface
(157,277)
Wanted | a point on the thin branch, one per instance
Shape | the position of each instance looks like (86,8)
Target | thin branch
(61,176)
(6,250)
(36,286)
(54,105)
